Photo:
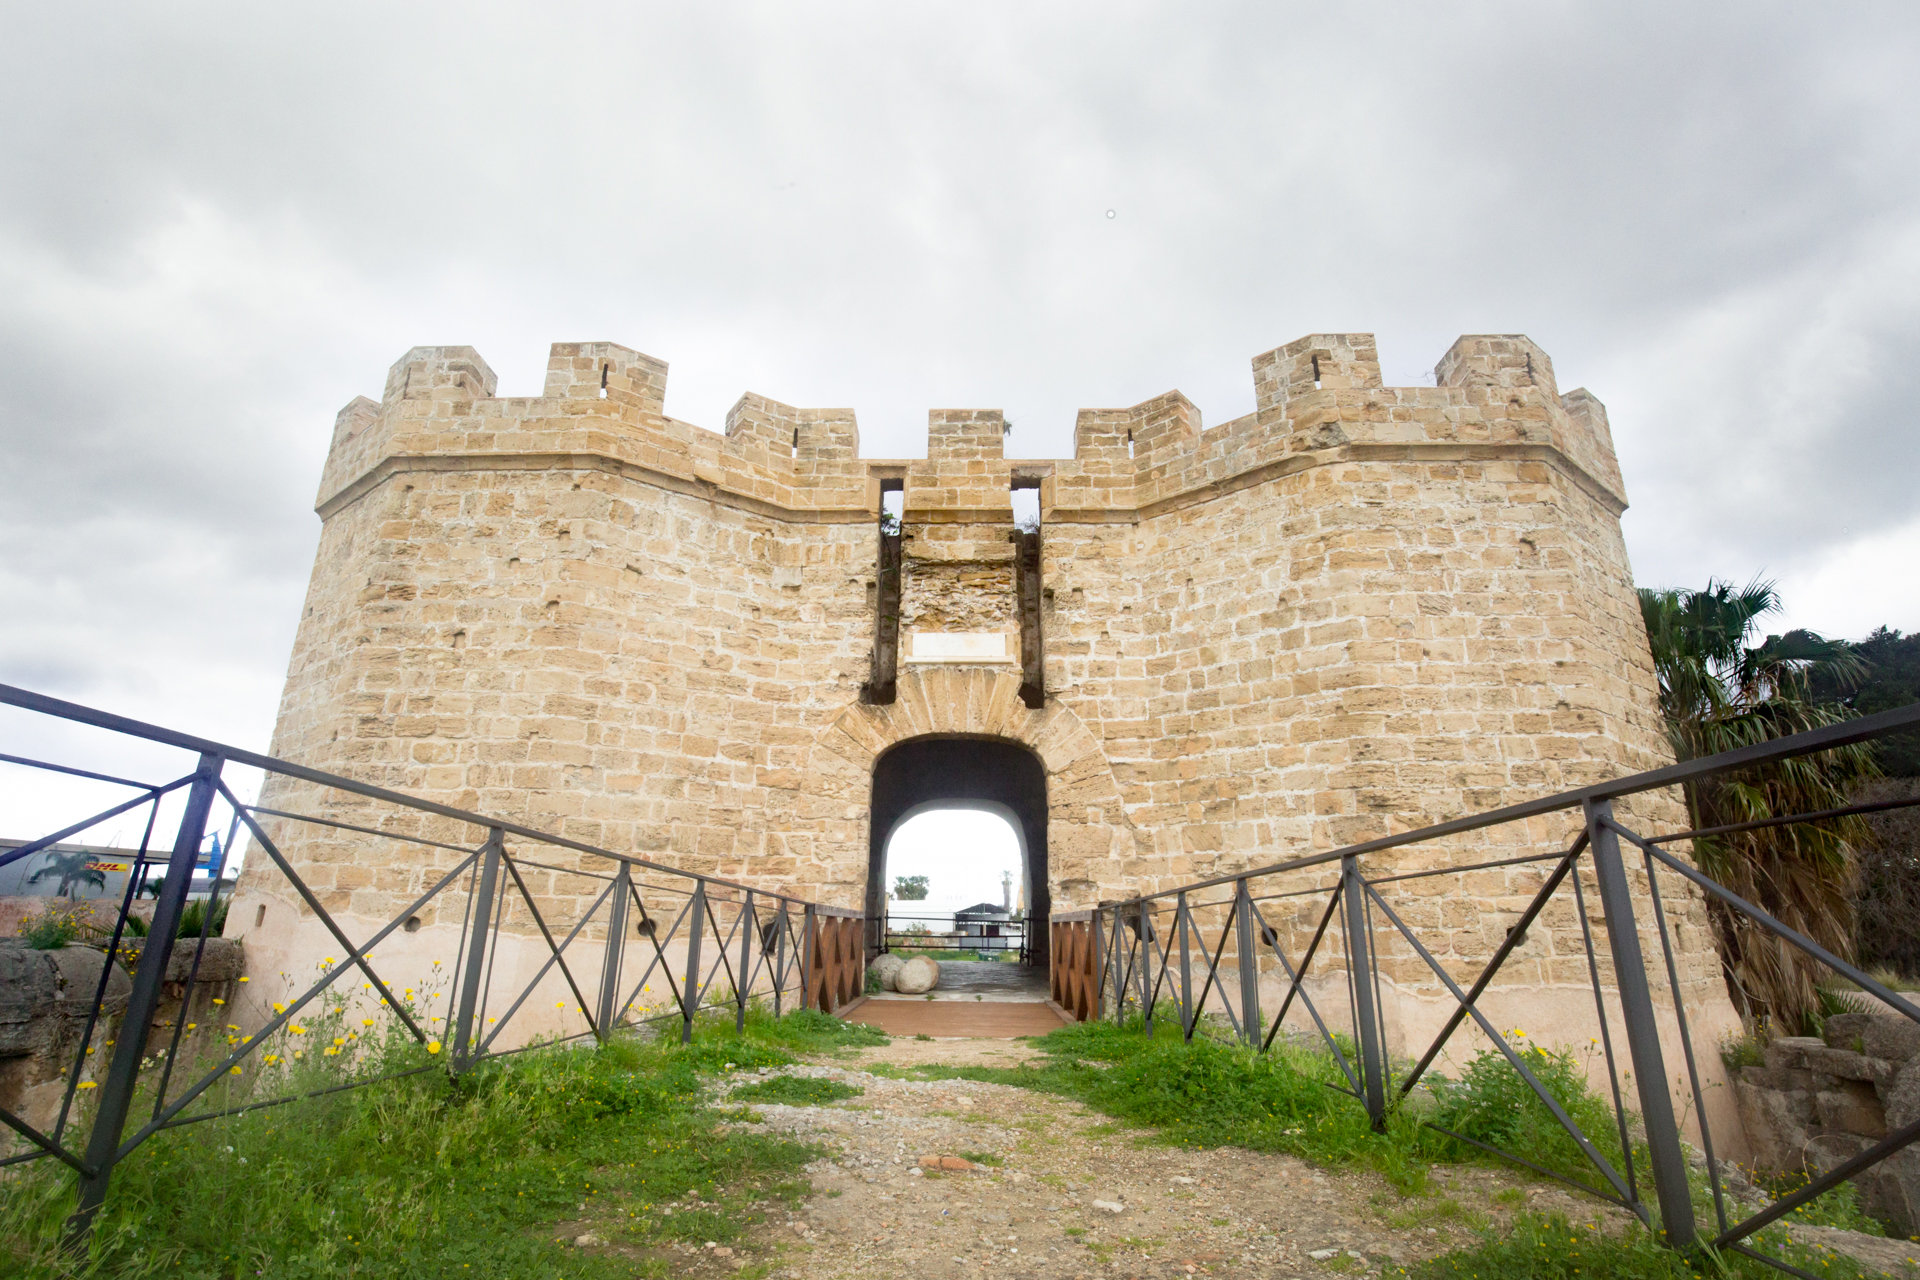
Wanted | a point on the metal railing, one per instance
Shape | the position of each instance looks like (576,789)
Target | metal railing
(731,942)
(906,932)
(1204,947)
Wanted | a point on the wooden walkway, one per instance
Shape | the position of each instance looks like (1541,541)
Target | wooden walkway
(992,1019)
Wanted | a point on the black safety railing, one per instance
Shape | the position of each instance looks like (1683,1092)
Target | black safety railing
(997,938)
(608,927)
(1329,923)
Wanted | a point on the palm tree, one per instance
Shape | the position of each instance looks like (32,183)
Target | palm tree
(1719,691)
(72,869)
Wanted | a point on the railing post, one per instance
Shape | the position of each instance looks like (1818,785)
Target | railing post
(807,948)
(1119,971)
(690,992)
(1353,893)
(1244,939)
(1182,925)
(116,1098)
(473,964)
(1643,1033)
(616,952)
(781,924)
(744,980)
(1143,926)
(1096,947)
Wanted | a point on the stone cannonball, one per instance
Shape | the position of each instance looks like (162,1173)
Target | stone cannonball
(884,968)
(917,976)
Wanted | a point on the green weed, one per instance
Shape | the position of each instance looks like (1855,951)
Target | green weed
(1839,1207)
(1551,1248)
(797,1091)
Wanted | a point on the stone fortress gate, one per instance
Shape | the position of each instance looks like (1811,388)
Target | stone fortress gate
(1355,610)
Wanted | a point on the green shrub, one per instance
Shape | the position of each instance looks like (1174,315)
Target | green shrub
(1747,1049)
(55,926)
(1491,1103)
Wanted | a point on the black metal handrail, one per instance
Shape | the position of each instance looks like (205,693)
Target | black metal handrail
(739,943)
(1133,969)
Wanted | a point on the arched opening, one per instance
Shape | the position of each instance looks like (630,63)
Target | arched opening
(967,862)
(991,776)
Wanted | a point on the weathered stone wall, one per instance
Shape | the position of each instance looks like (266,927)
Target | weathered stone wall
(1816,1103)
(1355,610)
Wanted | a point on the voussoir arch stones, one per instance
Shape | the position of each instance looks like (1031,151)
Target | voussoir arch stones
(1093,848)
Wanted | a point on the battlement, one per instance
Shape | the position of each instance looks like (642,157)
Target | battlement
(439,373)
(1314,397)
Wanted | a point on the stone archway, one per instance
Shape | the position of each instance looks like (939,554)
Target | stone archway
(951,772)
(1093,850)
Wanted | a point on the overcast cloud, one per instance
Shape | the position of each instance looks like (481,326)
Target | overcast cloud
(219,223)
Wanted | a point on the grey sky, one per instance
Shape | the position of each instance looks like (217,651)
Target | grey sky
(218,223)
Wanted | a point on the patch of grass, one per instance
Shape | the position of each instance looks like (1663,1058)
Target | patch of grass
(1209,1094)
(802,1031)
(982,1157)
(1426,1213)
(797,1091)
(1839,1207)
(490,1173)
(1552,1248)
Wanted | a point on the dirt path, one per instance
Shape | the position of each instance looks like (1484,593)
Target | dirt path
(1060,1192)
(1057,1192)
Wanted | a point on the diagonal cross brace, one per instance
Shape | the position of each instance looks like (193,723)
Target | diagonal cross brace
(1295,980)
(279,1020)
(1566,1121)
(1508,946)
(355,954)
(556,958)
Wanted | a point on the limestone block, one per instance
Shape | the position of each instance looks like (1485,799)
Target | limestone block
(1844,1064)
(917,976)
(1853,1108)
(1902,1100)
(1791,1051)
(1777,1123)
(1893,1037)
(1846,1031)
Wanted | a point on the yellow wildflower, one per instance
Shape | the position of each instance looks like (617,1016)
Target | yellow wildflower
(235,1070)
(218,1000)
(433,1046)
(88,1084)
(366,1022)
(243,979)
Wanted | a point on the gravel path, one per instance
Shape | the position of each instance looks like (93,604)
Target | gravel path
(1024,1184)
(1057,1191)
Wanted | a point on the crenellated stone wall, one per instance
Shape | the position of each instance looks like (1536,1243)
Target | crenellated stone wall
(1355,610)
